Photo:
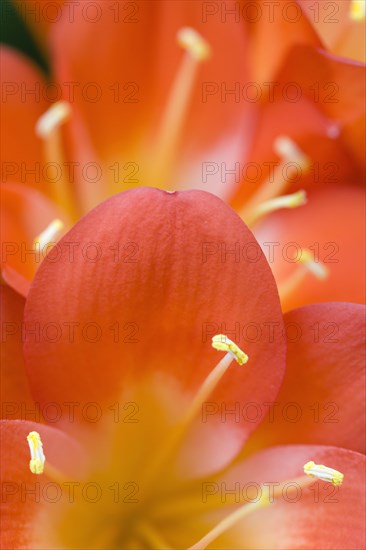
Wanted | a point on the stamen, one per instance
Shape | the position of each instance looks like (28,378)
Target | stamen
(230,521)
(323,472)
(288,150)
(311,469)
(52,119)
(316,268)
(48,128)
(357,10)
(223,343)
(49,234)
(220,342)
(293,282)
(193,42)
(197,50)
(36,463)
(294,161)
(285,201)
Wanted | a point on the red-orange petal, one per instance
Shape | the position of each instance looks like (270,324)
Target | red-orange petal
(331,226)
(321,400)
(274,30)
(24,100)
(23,494)
(25,213)
(147,284)
(15,393)
(316,516)
(340,34)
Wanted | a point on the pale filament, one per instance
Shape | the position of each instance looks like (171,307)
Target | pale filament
(48,129)
(202,394)
(301,272)
(196,51)
(49,234)
(264,501)
(284,201)
(277,183)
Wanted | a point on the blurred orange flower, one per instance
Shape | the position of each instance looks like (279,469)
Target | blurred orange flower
(205,118)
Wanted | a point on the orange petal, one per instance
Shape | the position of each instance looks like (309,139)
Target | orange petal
(331,226)
(316,516)
(321,400)
(24,100)
(23,495)
(159,290)
(15,392)
(25,214)
(274,31)
(339,32)
(316,100)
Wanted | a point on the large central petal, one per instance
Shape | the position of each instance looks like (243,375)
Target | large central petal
(149,277)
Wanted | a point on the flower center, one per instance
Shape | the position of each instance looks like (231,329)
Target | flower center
(154,480)
(169,510)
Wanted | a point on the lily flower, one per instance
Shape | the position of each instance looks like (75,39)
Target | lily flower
(134,441)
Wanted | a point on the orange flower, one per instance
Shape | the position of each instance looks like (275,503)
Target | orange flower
(139,430)
(171,115)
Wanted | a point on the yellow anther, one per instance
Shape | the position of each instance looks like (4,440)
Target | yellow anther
(357,11)
(36,463)
(223,343)
(316,268)
(323,472)
(194,43)
(56,115)
(50,233)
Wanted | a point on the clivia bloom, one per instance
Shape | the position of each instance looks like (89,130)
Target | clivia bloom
(141,441)
(166,116)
